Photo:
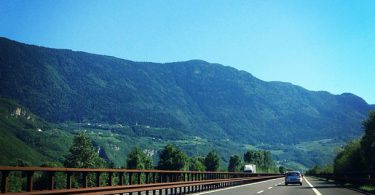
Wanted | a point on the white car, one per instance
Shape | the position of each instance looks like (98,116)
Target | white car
(293,177)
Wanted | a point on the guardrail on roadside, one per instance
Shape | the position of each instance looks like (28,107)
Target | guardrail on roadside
(119,181)
(353,177)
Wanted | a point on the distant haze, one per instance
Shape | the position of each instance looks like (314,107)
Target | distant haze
(320,45)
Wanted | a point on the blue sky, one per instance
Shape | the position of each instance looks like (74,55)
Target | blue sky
(317,44)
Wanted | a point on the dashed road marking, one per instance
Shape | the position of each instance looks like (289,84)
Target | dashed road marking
(234,187)
(312,187)
(269,187)
(260,192)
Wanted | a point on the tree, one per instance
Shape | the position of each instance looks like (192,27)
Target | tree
(212,161)
(350,159)
(282,169)
(172,158)
(234,164)
(250,156)
(196,164)
(267,160)
(82,154)
(261,158)
(137,159)
(368,141)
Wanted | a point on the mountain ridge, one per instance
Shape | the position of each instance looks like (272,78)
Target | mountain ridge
(194,97)
(192,60)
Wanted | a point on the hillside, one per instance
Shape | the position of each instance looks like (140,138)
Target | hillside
(24,136)
(181,99)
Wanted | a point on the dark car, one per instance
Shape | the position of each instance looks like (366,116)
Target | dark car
(293,177)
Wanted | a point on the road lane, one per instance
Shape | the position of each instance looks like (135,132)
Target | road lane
(330,188)
(277,187)
(258,188)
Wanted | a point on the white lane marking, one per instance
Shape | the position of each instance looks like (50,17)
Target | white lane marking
(260,192)
(269,187)
(235,187)
(312,187)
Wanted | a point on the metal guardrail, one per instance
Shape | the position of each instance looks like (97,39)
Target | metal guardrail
(353,178)
(120,181)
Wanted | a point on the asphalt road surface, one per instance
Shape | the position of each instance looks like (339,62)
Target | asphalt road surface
(310,186)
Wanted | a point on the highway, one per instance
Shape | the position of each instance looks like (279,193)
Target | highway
(311,186)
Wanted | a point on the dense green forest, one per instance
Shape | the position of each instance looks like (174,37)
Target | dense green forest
(357,156)
(195,105)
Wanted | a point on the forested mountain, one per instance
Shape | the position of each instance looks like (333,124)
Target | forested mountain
(195,97)
(192,98)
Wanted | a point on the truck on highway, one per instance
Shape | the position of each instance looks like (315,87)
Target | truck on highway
(250,168)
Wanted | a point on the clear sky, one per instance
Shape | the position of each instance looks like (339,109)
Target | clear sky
(317,44)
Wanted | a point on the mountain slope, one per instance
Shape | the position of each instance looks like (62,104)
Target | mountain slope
(26,137)
(194,97)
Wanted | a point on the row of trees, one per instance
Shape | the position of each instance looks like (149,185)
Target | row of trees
(82,154)
(261,158)
(357,156)
(172,158)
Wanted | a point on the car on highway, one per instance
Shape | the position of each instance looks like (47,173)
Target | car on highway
(293,177)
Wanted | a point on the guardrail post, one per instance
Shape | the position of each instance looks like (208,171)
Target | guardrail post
(51,181)
(139,178)
(130,178)
(121,178)
(4,181)
(84,180)
(97,179)
(153,177)
(110,180)
(147,178)
(29,182)
(68,180)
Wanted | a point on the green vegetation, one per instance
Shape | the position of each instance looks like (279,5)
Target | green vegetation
(350,159)
(235,164)
(326,169)
(196,164)
(82,154)
(368,142)
(27,137)
(368,188)
(262,159)
(282,169)
(137,159)
(212,161)
(357,155)
(172,158)
(194,105)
